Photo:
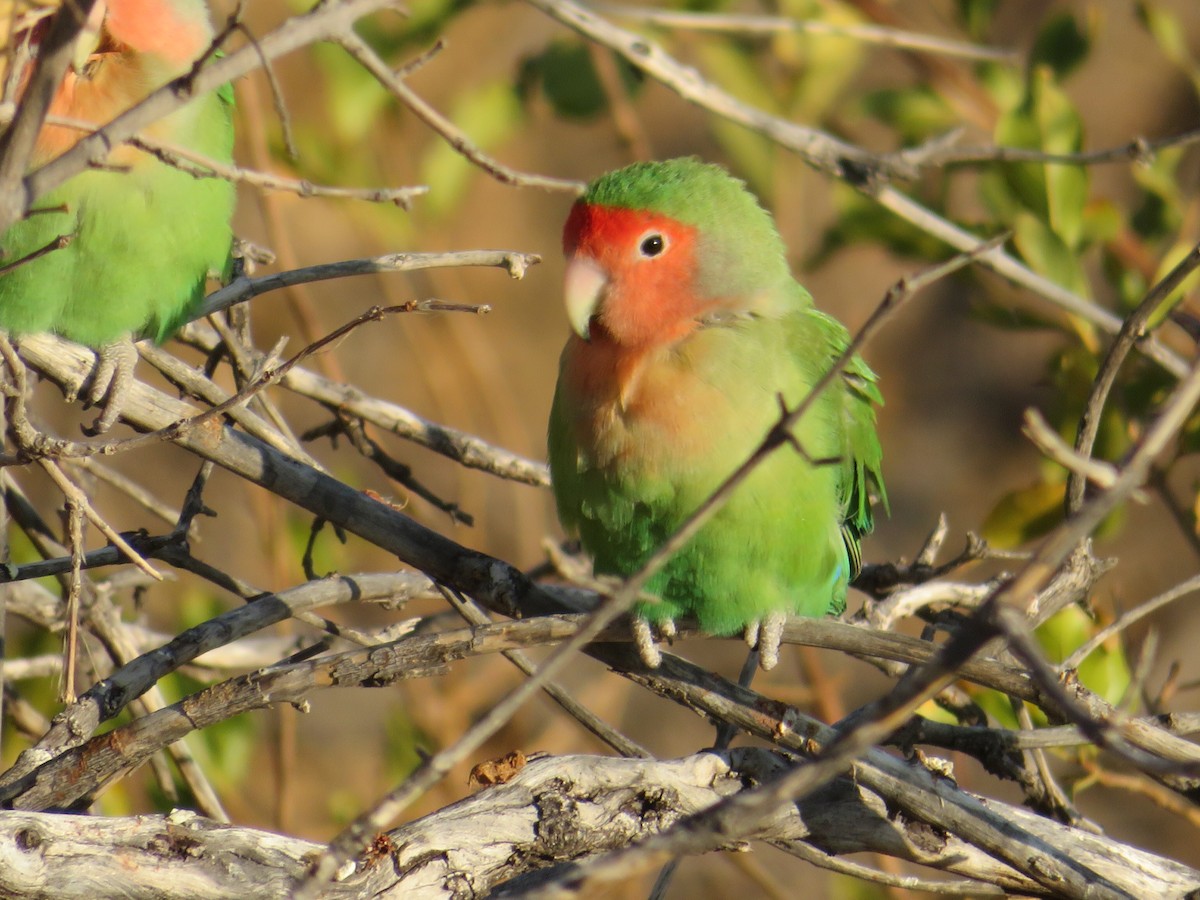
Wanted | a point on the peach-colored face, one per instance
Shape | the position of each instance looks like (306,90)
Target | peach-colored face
(175,32)
(107,76)
(637,269)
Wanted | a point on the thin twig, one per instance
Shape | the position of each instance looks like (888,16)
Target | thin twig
(474,614)
(1050,442)
(449,132)
(74,495)
(1132,332)
(244,288)
(880,35)
(200,165)
(108,697)
(1138,150)
(1088,647)
(1007,266)
(127,486)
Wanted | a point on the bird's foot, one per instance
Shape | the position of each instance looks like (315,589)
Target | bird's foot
(750,634)
(765,635)
(110,383)
(647,646)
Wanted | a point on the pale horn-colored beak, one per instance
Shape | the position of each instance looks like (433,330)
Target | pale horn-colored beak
(583,287)
(88,38)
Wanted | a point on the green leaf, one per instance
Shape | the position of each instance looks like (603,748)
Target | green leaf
(1047,121)
(1064,632)
(567,75)
(826,63)
(976,16)
(935,712)
(996,192)
(1105,671)
(1160,213)
(1103,221)
(403,743)
(751,155)
(1171,258)
(1128,281)
(917,113)
(1189,442)
(1168,31)
(1048,255)
(489,114)
(354,99)
(999,708)
(1154,216)
(1025,514)
(424,22)
(1005,83)
(732,65)
(861,219)
(1001,315)
(1061,44)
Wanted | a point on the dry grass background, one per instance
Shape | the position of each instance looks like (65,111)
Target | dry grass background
(955,388)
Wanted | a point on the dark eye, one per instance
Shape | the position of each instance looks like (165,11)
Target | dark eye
(653,244)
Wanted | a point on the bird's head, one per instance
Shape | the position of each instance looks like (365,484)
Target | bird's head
(175,31)
(655,249)
(126,49)
(629,273)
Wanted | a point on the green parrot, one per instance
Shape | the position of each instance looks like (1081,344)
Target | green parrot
(688,328)
(144,235)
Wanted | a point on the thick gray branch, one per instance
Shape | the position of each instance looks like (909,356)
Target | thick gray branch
(553,813)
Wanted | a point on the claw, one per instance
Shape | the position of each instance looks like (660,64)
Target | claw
(769,639)
(765,635)
(110,383)
(750,635)
(643,639)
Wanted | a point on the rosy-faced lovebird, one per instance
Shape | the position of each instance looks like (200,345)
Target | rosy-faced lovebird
(144,234)
(688,328)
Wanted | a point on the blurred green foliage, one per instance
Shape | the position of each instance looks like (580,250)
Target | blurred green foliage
(565,73)
(1105,672)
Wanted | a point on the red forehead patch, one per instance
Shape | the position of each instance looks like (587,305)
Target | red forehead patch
(602,231)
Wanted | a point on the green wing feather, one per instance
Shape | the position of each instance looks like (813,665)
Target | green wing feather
(788,538)
(861,482)
(142,241)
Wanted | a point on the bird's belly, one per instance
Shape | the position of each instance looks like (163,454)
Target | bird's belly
(774,545)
